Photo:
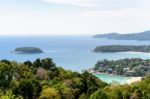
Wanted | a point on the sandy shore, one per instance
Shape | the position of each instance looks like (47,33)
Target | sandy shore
(136,52)
(133,79)
(129,80)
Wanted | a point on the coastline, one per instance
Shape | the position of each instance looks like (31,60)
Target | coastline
(98,73)
(135,52)
(133,80)
(129,80)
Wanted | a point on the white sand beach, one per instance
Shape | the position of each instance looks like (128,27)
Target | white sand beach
(133,79)
(135,52)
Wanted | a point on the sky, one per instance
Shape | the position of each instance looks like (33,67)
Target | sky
(73,17)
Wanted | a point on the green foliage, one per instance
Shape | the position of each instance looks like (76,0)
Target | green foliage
(28,88)
(122,48)
(21,50)
(6,74)
(41,79)
(9,95)
(49,93)
(127,67)
(91,83)
(45,63)
(99,94)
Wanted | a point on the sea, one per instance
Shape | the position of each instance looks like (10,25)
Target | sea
(70,52)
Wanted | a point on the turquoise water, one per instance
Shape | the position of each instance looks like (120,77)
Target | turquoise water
(112,78)
(70,52)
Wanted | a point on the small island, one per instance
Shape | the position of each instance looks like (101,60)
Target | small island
(28,50)
(123,48)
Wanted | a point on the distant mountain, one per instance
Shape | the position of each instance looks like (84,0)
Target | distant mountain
(131,36)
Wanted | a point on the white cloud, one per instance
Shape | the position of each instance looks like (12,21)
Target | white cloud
(127,13)
(117,4)
(88,22)
(87,3)
(49,20)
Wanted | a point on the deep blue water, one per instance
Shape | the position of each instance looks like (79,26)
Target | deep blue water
(70,52)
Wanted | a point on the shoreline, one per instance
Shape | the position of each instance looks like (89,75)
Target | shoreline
(129,80)
(94,72)
(133,80)
(132,52)
(110,75)
(103,73)
(135,52)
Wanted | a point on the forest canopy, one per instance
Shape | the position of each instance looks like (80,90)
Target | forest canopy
(42,79)
(123,48)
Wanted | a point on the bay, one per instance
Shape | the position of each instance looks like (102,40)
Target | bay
(112,78)
(70,52)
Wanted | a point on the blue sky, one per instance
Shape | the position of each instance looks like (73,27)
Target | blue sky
(58,17)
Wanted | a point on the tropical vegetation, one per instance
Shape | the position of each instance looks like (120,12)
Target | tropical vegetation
(28,50)
(126,67)
(41,79)
(123,48)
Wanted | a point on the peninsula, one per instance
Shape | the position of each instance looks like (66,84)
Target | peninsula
(28,50)
(134,67)
(130,36)
(123,48)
